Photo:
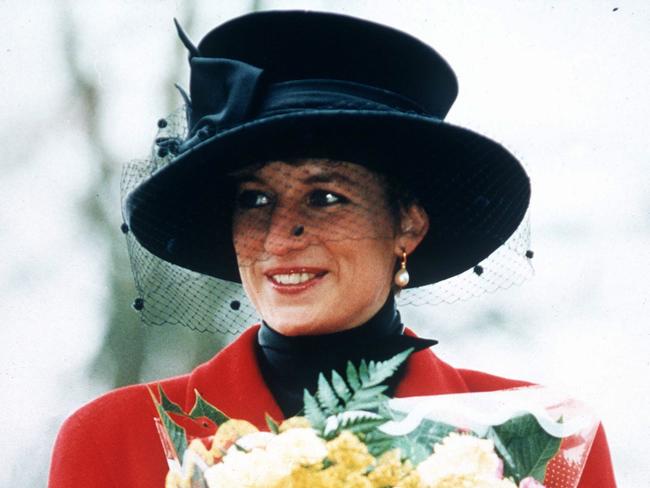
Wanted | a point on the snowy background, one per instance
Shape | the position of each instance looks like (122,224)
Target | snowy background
(564,85)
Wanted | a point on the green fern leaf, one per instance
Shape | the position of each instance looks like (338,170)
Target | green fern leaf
(352,376)
(381,371)
(367,398)
(358,422)
(363,372)
(341,388)
(313,411)
(327,398)
(363,391)
(368,393)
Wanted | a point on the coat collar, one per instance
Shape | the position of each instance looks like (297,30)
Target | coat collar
(232,380)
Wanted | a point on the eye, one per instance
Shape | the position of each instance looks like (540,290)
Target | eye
(325,198)
(253,199)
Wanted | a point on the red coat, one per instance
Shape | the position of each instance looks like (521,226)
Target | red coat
(112,441)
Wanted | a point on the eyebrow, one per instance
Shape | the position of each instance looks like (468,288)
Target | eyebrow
(324,177)
(329,177)
(246,178)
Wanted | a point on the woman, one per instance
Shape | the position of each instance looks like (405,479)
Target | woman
(319,173)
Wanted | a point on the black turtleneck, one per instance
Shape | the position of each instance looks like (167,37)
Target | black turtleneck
(291,364)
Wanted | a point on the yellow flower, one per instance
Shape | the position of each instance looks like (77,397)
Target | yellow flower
(472,481)
(293,423)
(347,450)
(340,475)
(389,470)
(411,480)
(357,480)
(297,446)
(304,477)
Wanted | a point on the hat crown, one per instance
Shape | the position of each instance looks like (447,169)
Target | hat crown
(296,45)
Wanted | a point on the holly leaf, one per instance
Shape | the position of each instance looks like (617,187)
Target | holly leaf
(175,433)
(167,404)
(175,423)
(525,447)
(203,408)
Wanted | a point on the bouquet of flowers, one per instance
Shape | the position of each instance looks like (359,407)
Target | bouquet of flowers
(352,435)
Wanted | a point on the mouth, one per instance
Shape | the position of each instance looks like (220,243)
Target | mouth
(294,280)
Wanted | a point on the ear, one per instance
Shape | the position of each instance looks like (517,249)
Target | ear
(414,225)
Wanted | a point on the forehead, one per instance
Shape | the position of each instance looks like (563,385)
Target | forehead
(311,171)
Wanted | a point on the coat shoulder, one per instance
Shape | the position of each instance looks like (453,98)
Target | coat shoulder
(84,450)
(478,381)
(128,400)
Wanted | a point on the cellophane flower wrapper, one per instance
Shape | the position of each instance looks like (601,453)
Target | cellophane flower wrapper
(353,435)
(559,415)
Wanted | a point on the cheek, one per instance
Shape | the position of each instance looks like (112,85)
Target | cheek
(368,263)
(252,285)
(248,236)
(369,247)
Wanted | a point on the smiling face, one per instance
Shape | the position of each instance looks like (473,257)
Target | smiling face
(316,244)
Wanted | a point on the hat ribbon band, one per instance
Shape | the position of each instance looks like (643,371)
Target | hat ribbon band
(227,93)
(324,94)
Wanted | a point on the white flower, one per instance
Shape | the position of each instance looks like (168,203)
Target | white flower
(463,457)
(269,459)
(297,447)
(239,469)
(256,440)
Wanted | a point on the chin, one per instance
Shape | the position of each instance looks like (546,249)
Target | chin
(298,321)
(289,325)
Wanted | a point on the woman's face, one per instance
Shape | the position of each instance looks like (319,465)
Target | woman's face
(316,244)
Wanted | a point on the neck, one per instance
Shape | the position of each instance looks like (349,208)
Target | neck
(291,364)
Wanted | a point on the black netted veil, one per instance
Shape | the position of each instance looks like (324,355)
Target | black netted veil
(293,207)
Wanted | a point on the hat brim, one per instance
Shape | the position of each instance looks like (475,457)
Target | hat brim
(475,192)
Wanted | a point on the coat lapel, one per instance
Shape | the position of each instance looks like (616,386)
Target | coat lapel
(427,375)
(232,381)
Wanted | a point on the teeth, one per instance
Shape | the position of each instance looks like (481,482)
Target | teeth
(293,278)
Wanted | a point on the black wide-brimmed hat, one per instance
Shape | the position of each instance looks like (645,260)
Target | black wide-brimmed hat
(281,85)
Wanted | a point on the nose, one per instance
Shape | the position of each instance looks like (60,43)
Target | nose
(286,231)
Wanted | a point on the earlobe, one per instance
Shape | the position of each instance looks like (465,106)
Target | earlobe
(414,226)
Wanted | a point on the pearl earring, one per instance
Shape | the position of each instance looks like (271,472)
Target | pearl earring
(402,276)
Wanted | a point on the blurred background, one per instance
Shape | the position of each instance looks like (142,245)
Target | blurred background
(563,85)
